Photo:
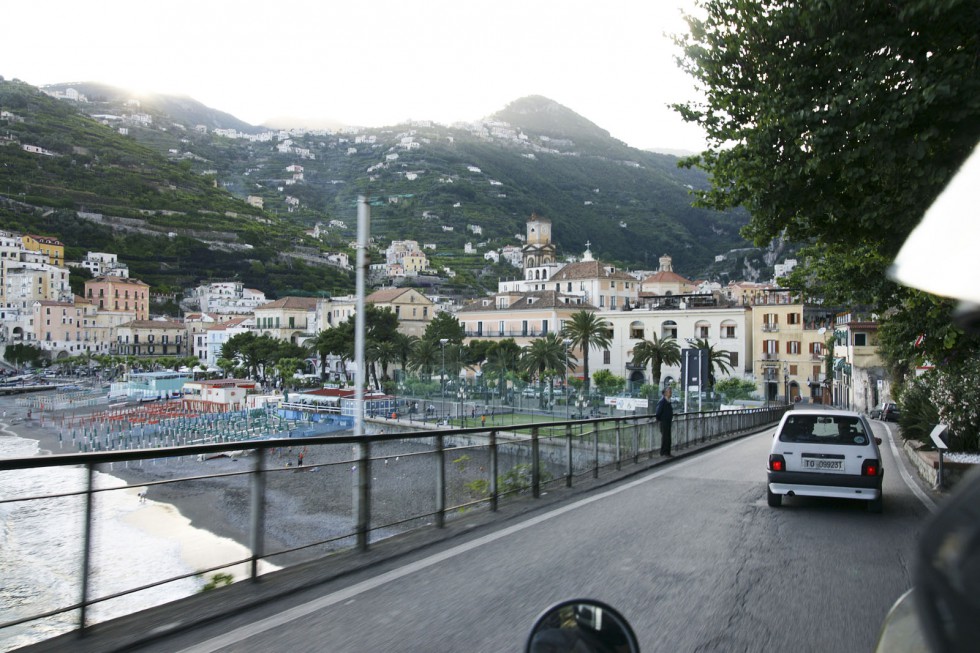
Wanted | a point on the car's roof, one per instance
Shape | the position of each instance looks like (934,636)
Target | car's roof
(828,412)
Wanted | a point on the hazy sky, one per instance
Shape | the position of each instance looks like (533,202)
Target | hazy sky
(370,62)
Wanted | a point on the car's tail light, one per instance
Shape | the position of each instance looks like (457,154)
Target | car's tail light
(870,468)
(777,463)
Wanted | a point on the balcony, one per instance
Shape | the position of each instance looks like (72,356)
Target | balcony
(767,356)
(816,356)
(770,327)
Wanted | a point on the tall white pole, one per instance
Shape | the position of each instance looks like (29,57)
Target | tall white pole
(360,376)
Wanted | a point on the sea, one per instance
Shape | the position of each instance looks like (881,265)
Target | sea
(41,550)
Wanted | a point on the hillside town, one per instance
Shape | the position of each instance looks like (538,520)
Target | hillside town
(789,350)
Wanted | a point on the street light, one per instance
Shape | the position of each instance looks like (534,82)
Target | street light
(786,382)
(566,342)
(462,398)
(442,372)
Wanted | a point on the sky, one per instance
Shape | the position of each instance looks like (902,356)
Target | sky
(371,62)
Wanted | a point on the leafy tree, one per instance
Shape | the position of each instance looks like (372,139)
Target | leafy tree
(445,325)
(608,383)
(335,341)
(20,354)
(836,125)
(735,388)
(587,331)
(865,109)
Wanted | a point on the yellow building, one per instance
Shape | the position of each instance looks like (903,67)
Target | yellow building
(413,309)
(789,342)
(50,247)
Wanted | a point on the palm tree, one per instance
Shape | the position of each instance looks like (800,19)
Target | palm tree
(544,358)
(425,357)
(503,359)
(717,358)
(658,352)
(587,331)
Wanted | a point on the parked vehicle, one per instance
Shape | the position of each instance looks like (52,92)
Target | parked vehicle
(886,411)
(825,453)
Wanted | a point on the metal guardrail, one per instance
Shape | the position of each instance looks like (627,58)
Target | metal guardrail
(555,454)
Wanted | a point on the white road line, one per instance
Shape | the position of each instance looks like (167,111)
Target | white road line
(909,481)
(300,611)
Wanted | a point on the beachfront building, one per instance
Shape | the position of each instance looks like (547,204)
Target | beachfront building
(120,295)
(25,282)
(413,309)
(217,396)
(151,338)
(150,385)
(291,318)
(62,328)
(726,328)
(218,334)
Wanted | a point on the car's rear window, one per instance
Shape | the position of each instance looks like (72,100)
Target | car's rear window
(824,429)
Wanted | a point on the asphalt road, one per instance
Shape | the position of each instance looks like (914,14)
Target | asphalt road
(689,552)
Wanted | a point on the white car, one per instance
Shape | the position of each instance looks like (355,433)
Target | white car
(825,453)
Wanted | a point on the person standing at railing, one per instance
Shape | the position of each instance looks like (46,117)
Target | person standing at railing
(665,415)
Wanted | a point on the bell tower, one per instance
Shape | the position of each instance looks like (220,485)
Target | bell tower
(538,250)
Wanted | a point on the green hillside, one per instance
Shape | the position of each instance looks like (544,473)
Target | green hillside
(168,195)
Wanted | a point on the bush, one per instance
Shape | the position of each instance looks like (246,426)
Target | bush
(918,412)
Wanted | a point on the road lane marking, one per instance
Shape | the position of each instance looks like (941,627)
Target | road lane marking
(300,611)
(909,481)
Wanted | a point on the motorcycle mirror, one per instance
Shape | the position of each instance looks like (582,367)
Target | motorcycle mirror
(947,580)
(584,626)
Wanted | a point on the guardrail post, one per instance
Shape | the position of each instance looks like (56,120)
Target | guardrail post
(440,482)
(595,450)
(87,545)
(619,434)
(493,471)
(535,462)
(636,441)
(363,495)
(568,452)
(257,536)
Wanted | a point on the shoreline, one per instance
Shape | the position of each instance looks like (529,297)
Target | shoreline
(204,537)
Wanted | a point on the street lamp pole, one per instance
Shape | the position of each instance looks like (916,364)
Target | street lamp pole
(462,398)
(442,371)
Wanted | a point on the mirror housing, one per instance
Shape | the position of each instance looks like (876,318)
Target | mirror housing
(584,625)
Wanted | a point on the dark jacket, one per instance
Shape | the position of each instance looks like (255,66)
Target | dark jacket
(665,411)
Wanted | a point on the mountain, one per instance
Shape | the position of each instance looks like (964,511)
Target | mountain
(444,186)
(66,175)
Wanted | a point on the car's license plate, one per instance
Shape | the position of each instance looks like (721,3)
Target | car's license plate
(823,465)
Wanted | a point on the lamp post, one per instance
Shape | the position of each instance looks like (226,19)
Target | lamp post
(462,398)
(566,342)
(442,372)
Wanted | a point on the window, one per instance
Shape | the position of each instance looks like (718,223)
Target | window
(605,356)
(569,286)
(817,371)
(860,339)
(524,328)
(793,347)
(793,371)
(544,327)
(727,331)
(770,346)
(636,330)
(793,318)
(703,331)
(612,302)
(602,301)
(733,359)
(292,322)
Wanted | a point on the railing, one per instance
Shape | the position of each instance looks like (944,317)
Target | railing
(401,481)
(770,326)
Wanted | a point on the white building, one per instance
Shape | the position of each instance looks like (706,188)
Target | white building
(102,264)
(726,328)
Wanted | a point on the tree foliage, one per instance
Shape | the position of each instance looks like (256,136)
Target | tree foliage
(587,331)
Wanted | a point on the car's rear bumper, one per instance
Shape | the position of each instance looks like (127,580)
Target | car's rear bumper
(815,484)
